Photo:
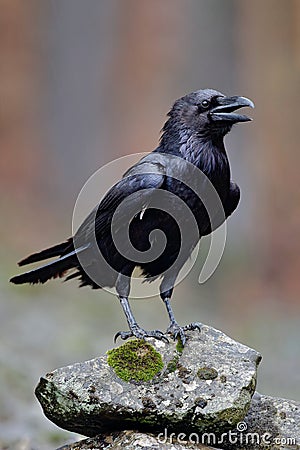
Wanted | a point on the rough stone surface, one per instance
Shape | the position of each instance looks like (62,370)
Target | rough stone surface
(130,440)
(270,424)
(207,387)
(275,421)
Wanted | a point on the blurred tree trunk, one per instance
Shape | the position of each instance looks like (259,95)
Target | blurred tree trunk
(269,51)
(148,40)
(21,157)
(18,91)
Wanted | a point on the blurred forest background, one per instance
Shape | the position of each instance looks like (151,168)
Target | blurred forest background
(84,82)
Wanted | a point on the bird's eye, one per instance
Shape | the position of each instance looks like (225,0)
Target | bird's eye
(205,104)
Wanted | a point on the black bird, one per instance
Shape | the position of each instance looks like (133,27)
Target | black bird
(155,194)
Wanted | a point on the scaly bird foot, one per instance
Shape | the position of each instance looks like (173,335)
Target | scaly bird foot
(193,326)
(140,333)
(178,332)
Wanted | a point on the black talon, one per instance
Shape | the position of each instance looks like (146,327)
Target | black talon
(156,334)
(139,333)
(159,335)
(178,332)
(123,335)
(193,326)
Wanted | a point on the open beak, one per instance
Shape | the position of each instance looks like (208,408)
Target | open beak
(224,111)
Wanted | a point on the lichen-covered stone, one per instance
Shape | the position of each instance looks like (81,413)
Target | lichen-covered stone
(270,424)
(90,398)
(207,373)
(131,440)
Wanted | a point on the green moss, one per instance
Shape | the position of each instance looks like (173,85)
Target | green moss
(135,360)
(179,346)
(207,373)
(172,365)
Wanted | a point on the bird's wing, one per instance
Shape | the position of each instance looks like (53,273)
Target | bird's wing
(143,175)
(142,178)
(230,204)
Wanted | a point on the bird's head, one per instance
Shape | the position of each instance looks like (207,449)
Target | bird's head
(207,112)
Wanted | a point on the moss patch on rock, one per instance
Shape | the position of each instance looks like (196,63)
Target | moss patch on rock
(135,360)
(179,346)
(172,365)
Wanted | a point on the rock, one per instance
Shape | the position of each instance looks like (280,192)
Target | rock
(207,386)
(270,424)
(131,440)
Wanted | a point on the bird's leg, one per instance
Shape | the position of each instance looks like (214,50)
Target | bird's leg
(135,329)
(174,329)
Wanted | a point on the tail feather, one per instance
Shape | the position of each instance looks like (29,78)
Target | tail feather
(50,270)
(56,250)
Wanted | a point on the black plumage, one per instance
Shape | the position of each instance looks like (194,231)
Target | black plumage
(154,194)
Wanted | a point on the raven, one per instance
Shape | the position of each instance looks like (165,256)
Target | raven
(155,194)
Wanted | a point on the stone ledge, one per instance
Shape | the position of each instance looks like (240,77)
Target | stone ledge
(206,387)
